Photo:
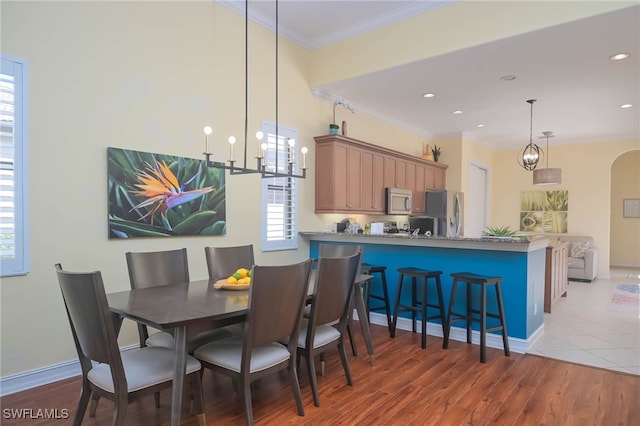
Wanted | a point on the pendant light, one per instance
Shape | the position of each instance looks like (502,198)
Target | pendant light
(547,176)
(529,156)
(261,146)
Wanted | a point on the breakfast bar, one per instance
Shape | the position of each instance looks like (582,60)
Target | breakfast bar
(520,262)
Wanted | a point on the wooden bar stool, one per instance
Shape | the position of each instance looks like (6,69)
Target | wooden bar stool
(369,269)
(419,306)
(469,279)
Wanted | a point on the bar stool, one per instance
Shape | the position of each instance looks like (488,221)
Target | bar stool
(370,269)
(422,304)
(469,278)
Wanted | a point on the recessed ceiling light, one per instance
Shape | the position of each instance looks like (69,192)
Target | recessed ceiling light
(626,106)
(457,111)
(429,95)
(479,125)
(508,77)
(619,56)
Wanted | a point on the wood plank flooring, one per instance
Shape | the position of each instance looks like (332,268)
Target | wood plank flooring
(406,386)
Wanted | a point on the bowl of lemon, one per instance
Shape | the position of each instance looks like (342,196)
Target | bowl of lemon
(239,280)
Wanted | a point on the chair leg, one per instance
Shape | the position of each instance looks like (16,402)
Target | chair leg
(392,332)
(156,397)
(345,362)
(454,289)
(94,404)
(197,398)
(246,399)
(120,410)
(322,364)
(311,371)
(82,403)
(424,313)
(293,374)
(354,350)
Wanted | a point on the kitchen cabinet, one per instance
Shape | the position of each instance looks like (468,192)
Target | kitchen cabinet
(419,190)
(372,167)
(351,176)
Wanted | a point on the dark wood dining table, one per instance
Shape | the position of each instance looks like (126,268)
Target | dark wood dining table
(190,308)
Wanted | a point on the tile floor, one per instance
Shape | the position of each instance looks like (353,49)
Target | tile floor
(581,329)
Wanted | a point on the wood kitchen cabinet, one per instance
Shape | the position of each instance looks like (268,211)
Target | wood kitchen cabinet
(351,176)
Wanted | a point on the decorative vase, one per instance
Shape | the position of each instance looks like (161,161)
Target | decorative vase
(333,129)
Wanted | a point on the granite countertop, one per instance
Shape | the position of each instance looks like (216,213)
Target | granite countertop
(485,243)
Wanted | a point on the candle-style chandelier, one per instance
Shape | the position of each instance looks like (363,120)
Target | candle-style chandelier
(529,156)
(261,163)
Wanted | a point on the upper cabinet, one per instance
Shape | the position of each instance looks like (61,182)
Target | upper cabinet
(351,176)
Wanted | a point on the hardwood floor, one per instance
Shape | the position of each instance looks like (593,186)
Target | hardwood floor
(406,386)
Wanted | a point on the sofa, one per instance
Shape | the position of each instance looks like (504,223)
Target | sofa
(583,257)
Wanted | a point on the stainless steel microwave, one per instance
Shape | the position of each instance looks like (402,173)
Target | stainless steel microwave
(398,201)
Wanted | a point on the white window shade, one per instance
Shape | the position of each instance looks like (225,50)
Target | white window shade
(14,259)
(279,195)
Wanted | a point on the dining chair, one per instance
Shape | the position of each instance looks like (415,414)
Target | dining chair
(120,377)
(224,261)
(335,277)
(342,250)
(276,299)
(151,269)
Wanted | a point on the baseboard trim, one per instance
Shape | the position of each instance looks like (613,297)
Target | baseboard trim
(43,376)
(516,345)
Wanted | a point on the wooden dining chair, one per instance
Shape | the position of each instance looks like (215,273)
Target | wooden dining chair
(151,269)
(335,277)
(276,299)
(224,261)
(342,250)
(120,377)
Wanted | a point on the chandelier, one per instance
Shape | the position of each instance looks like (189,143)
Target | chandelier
(529,156)
(261,164)
(547,176)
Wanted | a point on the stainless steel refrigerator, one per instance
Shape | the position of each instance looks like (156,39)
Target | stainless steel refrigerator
(447,207)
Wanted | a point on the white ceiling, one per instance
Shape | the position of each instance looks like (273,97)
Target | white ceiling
(566,68)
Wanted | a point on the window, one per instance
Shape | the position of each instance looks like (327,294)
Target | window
(279,195)
(14,238)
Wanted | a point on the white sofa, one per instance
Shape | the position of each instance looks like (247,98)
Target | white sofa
(583,257)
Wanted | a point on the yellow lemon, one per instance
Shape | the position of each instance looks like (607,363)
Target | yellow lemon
(243,272)
(232,280)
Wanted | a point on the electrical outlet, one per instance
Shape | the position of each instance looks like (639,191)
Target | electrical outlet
(535,309)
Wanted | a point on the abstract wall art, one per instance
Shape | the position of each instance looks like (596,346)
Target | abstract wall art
(544,211)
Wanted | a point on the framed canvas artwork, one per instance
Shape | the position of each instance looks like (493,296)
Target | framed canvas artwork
(156,195)
(544,211)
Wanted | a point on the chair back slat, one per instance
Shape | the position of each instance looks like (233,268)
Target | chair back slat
(334,288)
(281,290)
(150,269)
(89,316)
(341,250)
(224,261)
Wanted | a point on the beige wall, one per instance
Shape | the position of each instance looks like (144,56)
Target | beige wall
(586,174)
(149,76)
(625,232)
(138,75)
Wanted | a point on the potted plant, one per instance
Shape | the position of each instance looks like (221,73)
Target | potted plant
(436,152)
(333,127)
(500,232)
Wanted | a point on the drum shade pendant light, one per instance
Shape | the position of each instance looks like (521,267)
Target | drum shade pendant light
(547,176)
(276,168)
(529,156)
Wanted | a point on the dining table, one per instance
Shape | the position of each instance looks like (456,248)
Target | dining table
(187,309)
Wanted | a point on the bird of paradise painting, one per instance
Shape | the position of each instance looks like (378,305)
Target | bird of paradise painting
(155,195)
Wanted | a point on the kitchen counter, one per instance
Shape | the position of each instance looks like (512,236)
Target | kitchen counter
(520,263)
(406,239)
